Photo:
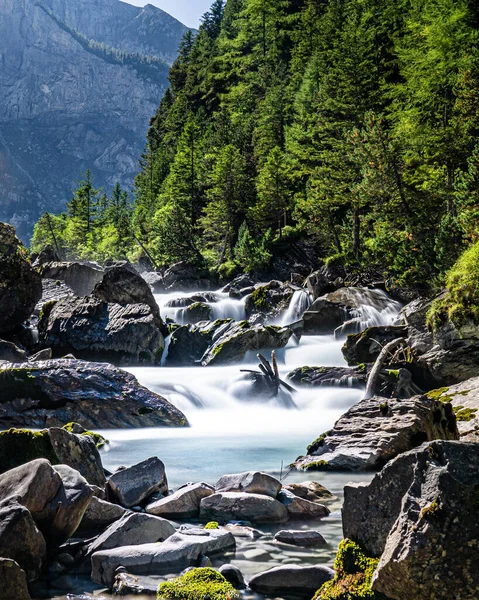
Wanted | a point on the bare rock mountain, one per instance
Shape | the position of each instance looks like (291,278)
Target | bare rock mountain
(79,81)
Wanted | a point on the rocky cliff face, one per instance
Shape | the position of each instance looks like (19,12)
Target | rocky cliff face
(68,102)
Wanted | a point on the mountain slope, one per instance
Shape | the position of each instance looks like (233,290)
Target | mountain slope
(69,102)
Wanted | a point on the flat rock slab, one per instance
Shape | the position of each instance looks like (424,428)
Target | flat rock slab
(183,504)
(234,506)
(305,539)
(129,487)
(251,482)
(291,581)
(181,550)
(374,431)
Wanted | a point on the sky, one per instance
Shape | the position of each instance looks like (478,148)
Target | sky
(186,11)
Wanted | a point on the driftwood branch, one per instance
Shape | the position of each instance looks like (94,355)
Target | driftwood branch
(378,365)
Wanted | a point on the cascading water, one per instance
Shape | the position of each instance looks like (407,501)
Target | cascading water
(222,306)
(300,302)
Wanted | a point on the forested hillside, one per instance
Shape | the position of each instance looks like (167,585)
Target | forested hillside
(351,122)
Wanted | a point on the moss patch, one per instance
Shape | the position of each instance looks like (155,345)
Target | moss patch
(354,572)
(20,446)
(99,440)
(198,584)
(317,465)
(259,297)
(318,442)
(212,525)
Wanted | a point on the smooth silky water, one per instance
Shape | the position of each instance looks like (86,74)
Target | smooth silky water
(232,431)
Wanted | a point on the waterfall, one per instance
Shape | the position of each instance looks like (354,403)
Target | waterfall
(300,302)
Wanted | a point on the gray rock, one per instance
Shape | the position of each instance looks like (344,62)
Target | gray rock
(21,285)
(129,487)
(251,482)
(181,550)
(95,330)
(20,539)
(188,343)
(99,515)
(299,508)
(196,312)
(126,584)
(133,529)
(318,284)
(183,504)
(268,301)
(240,337)
(155,281)
(291,581)
(53,289)
(81,278)
(365,347)
(97,395)
(14,581)
(387,427)
(233,575)
(309,490)
(324,317)
(423,511)
(330,376)
(12,353)
(41,355)
(305,539)
(413,315)
(228,506)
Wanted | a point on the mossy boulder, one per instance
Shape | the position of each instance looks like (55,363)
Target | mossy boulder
(354,572)
(196,312)
(198,584)
(268,300)
(188,343)
(365,347)
(20,284)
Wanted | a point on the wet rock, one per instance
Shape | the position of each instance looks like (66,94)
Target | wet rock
(420,513)
(291,581)
(413,316)
(80,277)
(251,482)
(299,508)
(19,446)
(129,487)
(122,285)
(304,539)
(155,281)
(97,395)
(309,490)
(182,276)
(318,284)
(196,312)
(126,584)
(12,353)
(14,581)
(53,289)
(267,301)
(188,343)
(355,377)
(324,317)
(233,575)
(21,286)
(181,550)
(183,504)
(133,529)
(240,337)
(99,515)
(42,355)
(20,539)
(365,347)
(95,330)
(239,283)
(236,506)
(376,430)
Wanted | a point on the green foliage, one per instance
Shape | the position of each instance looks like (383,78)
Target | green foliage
(354,571)
(196,585)
(250,254)
(212,525)
(461,301)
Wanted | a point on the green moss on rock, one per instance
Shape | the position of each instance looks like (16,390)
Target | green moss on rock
(318,442)
(20,446)
(99,440)
(212,525)
(198,584)
(317,465)
(354,572)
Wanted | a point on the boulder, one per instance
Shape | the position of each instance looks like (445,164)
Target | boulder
(20,284)
(365,347)
(96,395)
(133,529)
(291,581)
(62,515)
(318,284)
(376,430)
(268,301)
(309,490)
(99,515)
(126,584)
(79,277)
(355,377)
(420,514)
(299,508)
(19,446)
(14,581)
(92,329)
(155,281)
(183,504)
(181,550)
(196,312)
(414,316)
(236,506)
(251,482)
(324,317)
(188,343)
(129,487)
(20,539)
(233,575)
(304,539)
(12,353)
(53,290)
(240,337)
(181,276)
(122,285)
